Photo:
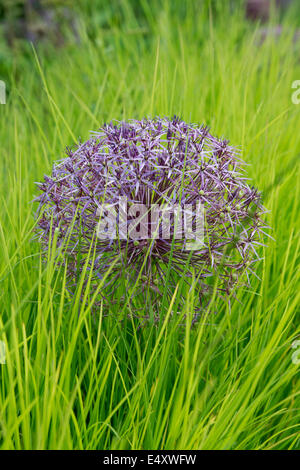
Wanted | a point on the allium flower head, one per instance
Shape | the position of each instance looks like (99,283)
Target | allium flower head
(161,163)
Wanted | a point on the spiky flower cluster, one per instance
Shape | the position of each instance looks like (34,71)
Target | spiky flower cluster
(154,161)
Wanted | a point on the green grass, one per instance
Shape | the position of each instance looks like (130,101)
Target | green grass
(73,380)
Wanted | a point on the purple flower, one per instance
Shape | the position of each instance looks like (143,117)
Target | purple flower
(158,163)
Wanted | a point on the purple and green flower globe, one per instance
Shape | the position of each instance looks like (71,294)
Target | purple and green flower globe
(96,197)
